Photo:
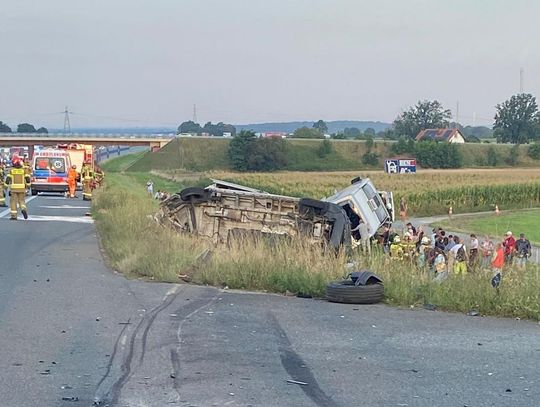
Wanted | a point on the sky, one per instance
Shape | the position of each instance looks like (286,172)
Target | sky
(147,62)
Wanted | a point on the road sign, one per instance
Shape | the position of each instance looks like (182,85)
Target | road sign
(400,166)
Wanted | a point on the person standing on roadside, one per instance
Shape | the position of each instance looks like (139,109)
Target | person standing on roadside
(403,209)
(523,251)
(497,261)
(487,253)
(509,245)
(150,188)
(17,182)
(459,253)
(473,252)
(87,178)
(72,180)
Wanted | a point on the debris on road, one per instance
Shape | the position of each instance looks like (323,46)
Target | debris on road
(430,307)
(291,381)
(473,313)
(75,398)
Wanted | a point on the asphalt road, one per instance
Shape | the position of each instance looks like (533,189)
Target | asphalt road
(70,327)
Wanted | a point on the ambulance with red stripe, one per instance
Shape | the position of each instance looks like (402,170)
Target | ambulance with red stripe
(49,171)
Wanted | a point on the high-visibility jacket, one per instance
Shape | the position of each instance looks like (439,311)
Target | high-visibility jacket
(72,174)
(87,173)
(17,180)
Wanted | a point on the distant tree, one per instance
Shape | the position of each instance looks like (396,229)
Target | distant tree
(267,154)
(324,149)
(370,132)
(534,151)
(190,127)
(351,132)
(321,126)
(306,132)
(402,146)
(369,142)
(239,149)
(4,128)
(517,120)
(338,136)
(477,131)
(42,130)
(424,115)
(472,139)
(388,134)
(513,156)
(26,128)
(219,128)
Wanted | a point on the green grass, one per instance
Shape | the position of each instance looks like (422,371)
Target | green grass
(517,222)
(123,162)
(137,245)
(198,154)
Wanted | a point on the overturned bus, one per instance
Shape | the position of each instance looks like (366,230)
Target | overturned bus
(223,211)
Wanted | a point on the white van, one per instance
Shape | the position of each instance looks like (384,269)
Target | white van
(363,203)
(49,171)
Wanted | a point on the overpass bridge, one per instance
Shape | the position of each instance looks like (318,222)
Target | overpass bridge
(154,141)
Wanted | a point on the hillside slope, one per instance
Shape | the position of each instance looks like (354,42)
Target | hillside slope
(201,154)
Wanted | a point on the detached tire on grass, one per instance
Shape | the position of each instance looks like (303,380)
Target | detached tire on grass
(346,292)
(194,194)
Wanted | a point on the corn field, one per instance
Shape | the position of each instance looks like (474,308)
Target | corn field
(427,192)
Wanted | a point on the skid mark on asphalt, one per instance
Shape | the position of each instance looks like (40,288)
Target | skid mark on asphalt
(137,343)
(297,368)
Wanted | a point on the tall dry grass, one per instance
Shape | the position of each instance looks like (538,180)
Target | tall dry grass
(137,246)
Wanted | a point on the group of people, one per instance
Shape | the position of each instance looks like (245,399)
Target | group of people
(442,253)
(17,183)
(159,195)
(90,178)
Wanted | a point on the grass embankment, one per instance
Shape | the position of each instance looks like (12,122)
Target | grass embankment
(527,222)
(203,154)
(137,246)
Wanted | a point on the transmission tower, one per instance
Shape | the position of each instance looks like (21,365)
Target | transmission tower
(194,113)
(67,126)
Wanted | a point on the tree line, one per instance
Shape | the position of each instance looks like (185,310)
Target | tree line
(22,128)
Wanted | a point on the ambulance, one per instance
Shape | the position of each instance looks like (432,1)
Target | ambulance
(49,171)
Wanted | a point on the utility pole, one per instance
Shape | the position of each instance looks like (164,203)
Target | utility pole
(521,78)
(67,125)
(194,113)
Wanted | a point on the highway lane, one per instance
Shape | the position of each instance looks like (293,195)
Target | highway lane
(70,327)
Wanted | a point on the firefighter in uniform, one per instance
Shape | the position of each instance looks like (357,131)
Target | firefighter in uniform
(27,169)
(87,179)
(99,175)
(17,182)
(2,191)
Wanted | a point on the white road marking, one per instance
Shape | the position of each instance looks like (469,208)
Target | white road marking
(73,219)
(6,212)
(64,207)
(123,340)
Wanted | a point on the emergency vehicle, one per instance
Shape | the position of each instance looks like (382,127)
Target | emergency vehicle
(49,171)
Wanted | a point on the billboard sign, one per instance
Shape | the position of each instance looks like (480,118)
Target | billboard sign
(400,166)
